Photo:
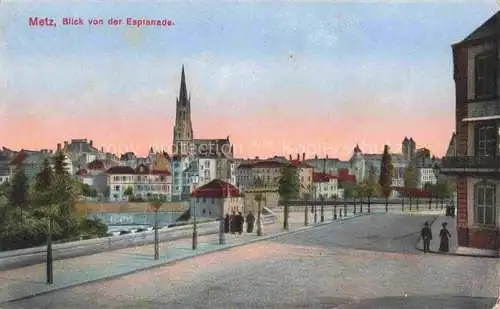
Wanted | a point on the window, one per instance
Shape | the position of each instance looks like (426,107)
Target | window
(484,203)
(117,188)
(485,75)
(213,200)
(486,140)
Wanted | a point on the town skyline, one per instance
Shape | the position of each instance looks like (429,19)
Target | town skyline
(118,86)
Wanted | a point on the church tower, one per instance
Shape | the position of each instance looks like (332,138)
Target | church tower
(183,129)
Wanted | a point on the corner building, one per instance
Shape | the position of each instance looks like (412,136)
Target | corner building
(477,114)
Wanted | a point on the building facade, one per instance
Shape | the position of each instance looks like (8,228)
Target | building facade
(362,164)
(141,183)
(216,199)
(477,116)
(326,186)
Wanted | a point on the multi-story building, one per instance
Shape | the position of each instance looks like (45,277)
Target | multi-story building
(144,183)
(305,173)
(425,175)
(477,116)
(327,165)
(6,156)
(362,163)
(268,172)
(326,186)
(94,175)
(32,162)
(215,199)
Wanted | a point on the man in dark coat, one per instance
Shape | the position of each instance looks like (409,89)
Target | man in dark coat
(241,221)
(426,234)
(233,222)
(226,223)
(250,222)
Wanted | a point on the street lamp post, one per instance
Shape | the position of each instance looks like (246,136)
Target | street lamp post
(156,205)
(315,212)
(222,238)
(436,169)
(322,197)
(259,214)
(195,227)
(50,273)
(306,214)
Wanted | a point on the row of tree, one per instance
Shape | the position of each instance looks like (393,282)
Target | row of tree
(29,207)
(381,186)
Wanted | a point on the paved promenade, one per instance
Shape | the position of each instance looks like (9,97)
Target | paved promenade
(369,262)
(28,281)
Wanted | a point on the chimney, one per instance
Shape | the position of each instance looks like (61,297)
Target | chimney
(327,157)
(102,149)
(298,157)
(290,157)
(91,143)
(316,156)
(65,143)
(303,156)
(59,146)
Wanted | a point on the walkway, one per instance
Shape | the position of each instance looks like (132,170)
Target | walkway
(365,263)
(29,281)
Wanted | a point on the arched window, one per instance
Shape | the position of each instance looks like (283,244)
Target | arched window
(484,203)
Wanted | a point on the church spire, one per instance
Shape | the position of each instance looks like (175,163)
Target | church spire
(183,129)
(183,95)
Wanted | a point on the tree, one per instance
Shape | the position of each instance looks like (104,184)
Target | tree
(386,171)
(306,196)
(156,205)
(349,189)
(372,176)
(5,189)
(60,165)
(410,178)
(19,189)
(288,189)
(44,181)
(128,192)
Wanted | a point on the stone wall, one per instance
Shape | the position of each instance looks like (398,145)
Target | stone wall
(91,207)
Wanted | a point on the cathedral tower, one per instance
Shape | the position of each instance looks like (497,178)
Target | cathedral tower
(183,128)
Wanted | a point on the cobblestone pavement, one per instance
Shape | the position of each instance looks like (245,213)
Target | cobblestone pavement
(365,263)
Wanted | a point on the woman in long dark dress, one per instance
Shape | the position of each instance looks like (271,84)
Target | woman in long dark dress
(444,234)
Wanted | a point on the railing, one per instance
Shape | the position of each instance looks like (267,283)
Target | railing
(470,162)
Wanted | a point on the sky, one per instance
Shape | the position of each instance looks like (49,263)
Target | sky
(278,78)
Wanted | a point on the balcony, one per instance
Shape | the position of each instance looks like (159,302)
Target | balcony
(474,165)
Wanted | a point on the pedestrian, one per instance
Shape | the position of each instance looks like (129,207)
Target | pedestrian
(226,223)
(241,222)
(250,222)
(444,234)
(233,224)
(426,234)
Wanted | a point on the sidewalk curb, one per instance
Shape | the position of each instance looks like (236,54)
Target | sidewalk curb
(418,247)
(196,254)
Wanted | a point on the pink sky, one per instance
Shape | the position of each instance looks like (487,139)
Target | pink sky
(268,138)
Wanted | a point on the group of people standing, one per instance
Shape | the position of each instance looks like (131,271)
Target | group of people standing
(444,234)
(234,223)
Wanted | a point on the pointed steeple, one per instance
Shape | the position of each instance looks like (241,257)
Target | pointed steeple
(183,94)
